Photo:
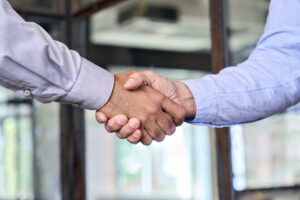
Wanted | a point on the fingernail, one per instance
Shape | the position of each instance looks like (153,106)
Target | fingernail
(121,121)
(171,132)
(129,82)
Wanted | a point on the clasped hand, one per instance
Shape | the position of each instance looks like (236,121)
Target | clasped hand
(153,114)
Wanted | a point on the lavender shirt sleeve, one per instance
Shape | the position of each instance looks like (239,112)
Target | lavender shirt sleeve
(31,62)
(266,83)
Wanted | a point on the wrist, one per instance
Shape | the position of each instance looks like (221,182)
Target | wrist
(187,99)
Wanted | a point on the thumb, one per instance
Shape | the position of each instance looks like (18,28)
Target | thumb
(135,81)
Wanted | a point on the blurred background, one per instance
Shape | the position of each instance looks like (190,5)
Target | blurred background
(172,38)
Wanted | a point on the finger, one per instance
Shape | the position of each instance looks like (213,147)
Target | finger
(155,131)
(165,122)
(116,123)
(135,137)
(129,128)
(175,110)
(146,138)
(135,81)
(101,117)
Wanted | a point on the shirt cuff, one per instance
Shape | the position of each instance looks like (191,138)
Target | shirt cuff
(92,88)
(204,92)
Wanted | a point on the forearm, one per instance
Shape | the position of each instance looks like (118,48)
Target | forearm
(233,97)
(31,60)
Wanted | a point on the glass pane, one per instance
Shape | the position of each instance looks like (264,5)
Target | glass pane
(246,22)
(16,147)
(178,168)
(275,194)
(54,27)
(162,33)
(264,153)
(29,161)
(47,145)
(29,149)
(168,25)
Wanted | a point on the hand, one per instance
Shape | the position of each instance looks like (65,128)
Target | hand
(176,91)
(146,105)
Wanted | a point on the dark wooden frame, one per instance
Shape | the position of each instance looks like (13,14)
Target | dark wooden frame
(220,51)
(72,141)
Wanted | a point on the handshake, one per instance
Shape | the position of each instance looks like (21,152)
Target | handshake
(145,106)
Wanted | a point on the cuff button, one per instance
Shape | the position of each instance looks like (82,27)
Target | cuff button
(27,93)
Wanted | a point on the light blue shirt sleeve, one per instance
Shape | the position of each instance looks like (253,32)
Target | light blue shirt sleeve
(268,82)
(34,64)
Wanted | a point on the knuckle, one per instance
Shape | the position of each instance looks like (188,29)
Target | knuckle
(143,119)
(112,128)
(152,110)
(128,130)
(124,132)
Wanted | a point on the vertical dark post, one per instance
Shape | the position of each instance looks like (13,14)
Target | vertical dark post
(218,16)
(72,141)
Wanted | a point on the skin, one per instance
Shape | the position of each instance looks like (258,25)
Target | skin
(153,114)
(178,92)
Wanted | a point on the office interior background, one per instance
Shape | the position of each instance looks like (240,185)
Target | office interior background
(172,38)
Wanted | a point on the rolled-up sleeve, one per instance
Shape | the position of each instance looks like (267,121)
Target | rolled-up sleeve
(31,62)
